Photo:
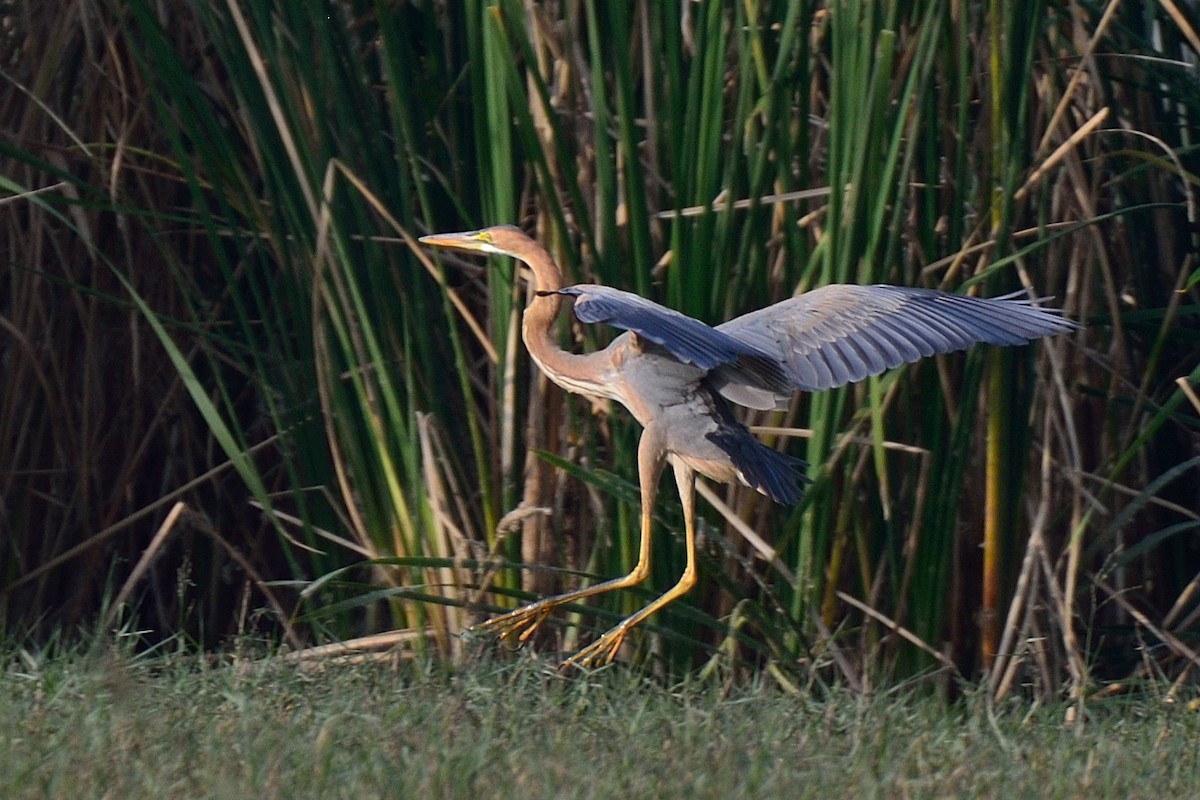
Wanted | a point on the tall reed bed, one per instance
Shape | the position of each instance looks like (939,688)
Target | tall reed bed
(214,299)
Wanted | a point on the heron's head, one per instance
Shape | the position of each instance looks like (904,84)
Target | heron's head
(507,240)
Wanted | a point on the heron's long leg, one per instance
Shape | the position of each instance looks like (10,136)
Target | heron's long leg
(604,649)
(525,620)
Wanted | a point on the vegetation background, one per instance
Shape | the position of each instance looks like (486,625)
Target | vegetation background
(238,398)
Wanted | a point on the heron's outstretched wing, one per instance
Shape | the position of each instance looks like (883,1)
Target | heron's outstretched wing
(685,338)
(843,333)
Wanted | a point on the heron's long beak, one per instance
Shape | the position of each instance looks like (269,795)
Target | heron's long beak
(466,240)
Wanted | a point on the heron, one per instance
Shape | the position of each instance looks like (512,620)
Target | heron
(678,377)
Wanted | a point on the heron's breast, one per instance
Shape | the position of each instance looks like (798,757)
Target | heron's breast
(650,384)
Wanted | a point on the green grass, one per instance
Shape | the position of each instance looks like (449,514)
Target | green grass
(119,727)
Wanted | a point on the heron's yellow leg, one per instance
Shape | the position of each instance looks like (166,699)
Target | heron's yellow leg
(524,621)
(604,649)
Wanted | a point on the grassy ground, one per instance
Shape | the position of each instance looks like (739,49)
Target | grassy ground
(116,727)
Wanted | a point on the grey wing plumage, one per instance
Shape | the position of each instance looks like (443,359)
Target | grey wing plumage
(684,337)
(843,333)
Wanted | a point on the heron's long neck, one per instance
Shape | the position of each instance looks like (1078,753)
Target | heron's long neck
(538,326)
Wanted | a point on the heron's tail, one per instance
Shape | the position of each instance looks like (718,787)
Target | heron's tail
(777,475)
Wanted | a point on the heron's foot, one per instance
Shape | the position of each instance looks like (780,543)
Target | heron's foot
(602,651)
(521,623)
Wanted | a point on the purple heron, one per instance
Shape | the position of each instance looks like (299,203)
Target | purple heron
(677,376)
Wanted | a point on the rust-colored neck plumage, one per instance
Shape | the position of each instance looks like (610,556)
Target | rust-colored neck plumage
(572,372)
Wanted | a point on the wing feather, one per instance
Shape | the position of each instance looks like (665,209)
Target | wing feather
(843,333)
(686,338)
(827,337)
